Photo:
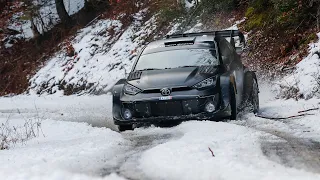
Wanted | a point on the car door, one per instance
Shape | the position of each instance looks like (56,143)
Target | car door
(233,64)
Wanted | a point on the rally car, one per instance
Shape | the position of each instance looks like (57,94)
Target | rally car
(194,76)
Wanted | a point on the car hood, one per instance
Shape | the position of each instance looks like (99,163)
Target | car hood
(177,77)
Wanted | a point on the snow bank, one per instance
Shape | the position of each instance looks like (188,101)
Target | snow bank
(307,126)
(305,80)
(63,150)
(104,54)
(95,110)
(237,155)
(67,150)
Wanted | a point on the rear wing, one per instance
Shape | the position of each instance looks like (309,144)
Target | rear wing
(237,38)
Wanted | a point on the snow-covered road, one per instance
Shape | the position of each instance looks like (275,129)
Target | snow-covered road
(79,141)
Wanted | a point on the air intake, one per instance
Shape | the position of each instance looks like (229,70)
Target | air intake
(134,75)
(207,70)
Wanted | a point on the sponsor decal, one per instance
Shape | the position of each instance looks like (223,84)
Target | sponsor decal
(163,98)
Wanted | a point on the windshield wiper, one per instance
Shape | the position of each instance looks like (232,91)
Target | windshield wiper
(149,69)
(186,66)
(181,67)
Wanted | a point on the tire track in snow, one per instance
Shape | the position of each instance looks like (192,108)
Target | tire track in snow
(287,149)
(294,152)
(284,146)
(128,163)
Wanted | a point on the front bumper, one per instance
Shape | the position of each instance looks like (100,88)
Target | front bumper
(215,116)
(177,109)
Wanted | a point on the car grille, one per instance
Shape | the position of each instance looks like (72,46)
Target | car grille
(168,108)
(146,91)
(173,108)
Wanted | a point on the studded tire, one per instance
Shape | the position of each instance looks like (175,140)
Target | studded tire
(251,93)
(233,102)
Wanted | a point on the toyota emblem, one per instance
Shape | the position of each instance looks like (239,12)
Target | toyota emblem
(165,91)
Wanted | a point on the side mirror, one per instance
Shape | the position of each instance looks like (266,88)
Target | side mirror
(239,50)
(224,58)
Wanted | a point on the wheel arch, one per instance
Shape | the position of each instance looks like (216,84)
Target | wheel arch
(253,75)
(116,96)
(225,82)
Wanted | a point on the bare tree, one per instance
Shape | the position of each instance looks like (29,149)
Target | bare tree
(313,3)
(62,12)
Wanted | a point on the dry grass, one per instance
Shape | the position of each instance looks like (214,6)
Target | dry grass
(11,135)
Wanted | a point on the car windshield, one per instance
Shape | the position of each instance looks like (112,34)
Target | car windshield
(176,59)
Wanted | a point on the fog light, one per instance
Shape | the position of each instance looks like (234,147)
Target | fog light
(127,114)
(210,107)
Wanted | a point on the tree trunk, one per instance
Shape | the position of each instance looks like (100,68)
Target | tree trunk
(62,12)
(3,4)
(35,30)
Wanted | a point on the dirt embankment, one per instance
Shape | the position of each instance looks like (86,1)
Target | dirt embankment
(279,34)
(24,58)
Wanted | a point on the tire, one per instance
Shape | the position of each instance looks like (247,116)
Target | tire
(233,103)
(255,97)
(251,93)
(125,127)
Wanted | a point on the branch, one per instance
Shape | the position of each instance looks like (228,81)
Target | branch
(289,117)
(93,20)
(313,109)
(211,152)
(282,118)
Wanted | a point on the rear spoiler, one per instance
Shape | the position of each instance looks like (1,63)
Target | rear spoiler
(225,33)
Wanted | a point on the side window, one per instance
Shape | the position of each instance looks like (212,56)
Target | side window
(227,51)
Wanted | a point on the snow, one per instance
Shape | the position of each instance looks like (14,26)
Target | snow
(95,110)
(65,150)
(306,76)
(23,27)
(105,53)
(73,6)
(195,28)
(47,18)
(174,28)
(78,142)
(67,147)
(236,24)
(189,4)
(237,155)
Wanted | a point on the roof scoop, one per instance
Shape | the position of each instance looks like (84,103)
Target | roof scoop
(180,42)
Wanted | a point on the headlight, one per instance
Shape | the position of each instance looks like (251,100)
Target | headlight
(205,83)
(129,89)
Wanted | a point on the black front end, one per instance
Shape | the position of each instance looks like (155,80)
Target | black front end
(182,104)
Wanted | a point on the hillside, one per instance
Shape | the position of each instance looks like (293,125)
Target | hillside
(60,58)
(91,59)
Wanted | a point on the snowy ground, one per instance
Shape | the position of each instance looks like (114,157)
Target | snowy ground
(104,51)
(79,142)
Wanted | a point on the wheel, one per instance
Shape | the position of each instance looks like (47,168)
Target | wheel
(233,103)
(255,97)
(251,93)
(125,127)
